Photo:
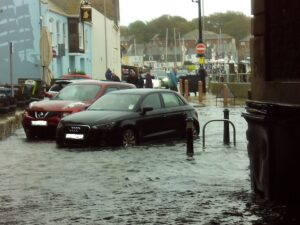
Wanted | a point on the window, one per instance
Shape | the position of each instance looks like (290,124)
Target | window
(58,35)
(80,33)
(170,100)
(65,34)
(152,100)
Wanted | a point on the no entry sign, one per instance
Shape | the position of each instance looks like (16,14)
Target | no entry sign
(200,48)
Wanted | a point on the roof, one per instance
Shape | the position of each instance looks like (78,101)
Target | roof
(194,34)
(72,7)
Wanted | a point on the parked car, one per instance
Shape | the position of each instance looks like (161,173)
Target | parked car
(41,117)
(128,117)
(76,76)
(56,87)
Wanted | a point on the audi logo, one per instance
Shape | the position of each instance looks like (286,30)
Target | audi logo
(74,129)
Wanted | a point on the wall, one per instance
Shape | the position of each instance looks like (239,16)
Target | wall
(19,23)
(106,49)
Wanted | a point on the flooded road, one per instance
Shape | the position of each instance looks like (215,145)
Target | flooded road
(155,184)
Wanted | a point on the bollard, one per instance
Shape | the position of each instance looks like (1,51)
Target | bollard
(226,138)
(200,91)
(186,89)
(181,87)
(225,95)
(189,139)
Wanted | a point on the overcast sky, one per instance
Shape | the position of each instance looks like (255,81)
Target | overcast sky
(146,10)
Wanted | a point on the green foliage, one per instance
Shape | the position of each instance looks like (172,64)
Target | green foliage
(235,24)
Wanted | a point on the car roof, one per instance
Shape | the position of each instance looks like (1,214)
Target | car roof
(83,76)
(144,91)
(101,82)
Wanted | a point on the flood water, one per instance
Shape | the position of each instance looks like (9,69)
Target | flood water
(151,184)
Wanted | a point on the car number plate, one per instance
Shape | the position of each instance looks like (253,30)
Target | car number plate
(39,123)
(75,136)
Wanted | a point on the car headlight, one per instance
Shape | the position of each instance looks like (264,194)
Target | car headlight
(65,114)
(104,126)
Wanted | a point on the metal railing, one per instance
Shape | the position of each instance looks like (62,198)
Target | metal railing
(230,78)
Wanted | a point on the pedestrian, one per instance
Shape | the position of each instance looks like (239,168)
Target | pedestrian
(148,83)
(108,74)
(203,74)
(132,78)
(173,80)
(114,77)
(140,83)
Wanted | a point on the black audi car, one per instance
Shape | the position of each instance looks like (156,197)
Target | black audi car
(128,117)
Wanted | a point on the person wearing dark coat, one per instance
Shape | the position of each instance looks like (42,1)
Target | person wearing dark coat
(133,78)
(108,74)
(140,83)
(203,74)
(114,77)
(148,83)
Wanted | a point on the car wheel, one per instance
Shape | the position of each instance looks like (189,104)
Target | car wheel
(59,143)
(128,138)
(29,134)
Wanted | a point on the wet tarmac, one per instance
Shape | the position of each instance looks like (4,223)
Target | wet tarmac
(153,184)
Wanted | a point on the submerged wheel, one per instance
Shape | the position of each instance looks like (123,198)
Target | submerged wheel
(128,138)
(29,134)
(59,143)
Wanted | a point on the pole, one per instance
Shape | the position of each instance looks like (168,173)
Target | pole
(11,50)
(189,139)
(105,32)
(226,127)
(200,23)
(41,27)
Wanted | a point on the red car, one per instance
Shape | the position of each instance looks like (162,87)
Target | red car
(41,118)
(76,76)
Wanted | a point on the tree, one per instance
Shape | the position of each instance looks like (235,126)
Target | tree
(235,24)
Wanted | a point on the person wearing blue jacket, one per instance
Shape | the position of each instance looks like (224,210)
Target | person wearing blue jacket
(173,80)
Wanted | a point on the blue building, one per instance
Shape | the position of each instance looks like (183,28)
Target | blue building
(21,24)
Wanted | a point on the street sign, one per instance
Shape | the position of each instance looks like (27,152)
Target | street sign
(200,48)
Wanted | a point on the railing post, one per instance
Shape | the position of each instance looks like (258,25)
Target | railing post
(200,91)
(226,137)
(181,87)
(225,95)
(186,89)
(189,138)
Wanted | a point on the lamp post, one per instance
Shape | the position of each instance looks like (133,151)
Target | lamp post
(199,22)
(200,48)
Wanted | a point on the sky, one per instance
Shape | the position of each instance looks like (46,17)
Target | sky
(147,10)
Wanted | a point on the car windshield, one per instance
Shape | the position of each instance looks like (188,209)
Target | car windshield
(78,92)
(116,102)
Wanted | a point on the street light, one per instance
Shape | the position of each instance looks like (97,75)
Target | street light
(199,22)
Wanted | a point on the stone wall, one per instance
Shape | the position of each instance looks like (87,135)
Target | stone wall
(9,124)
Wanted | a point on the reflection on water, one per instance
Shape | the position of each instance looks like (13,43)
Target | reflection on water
(150,184)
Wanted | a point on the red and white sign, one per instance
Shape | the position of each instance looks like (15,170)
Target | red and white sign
(200,48)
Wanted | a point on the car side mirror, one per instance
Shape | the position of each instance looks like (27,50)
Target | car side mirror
(146,109)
